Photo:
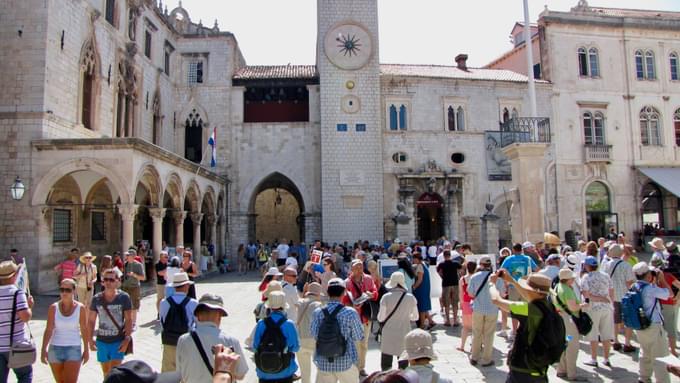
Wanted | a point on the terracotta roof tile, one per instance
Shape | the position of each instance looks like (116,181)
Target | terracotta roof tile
(255,72)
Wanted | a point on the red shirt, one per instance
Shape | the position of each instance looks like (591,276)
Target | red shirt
(669,280)
(366,285)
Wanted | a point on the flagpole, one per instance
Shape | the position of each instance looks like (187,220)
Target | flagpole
(200,164)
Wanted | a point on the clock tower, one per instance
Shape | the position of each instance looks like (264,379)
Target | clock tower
(351,137)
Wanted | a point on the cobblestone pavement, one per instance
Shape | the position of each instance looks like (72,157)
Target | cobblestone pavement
(240,295)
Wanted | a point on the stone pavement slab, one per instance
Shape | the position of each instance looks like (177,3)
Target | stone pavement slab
(240,295)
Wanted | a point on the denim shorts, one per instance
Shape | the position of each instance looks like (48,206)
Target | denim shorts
(107,352)
(61,354)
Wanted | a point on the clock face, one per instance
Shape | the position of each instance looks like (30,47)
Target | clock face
(348,46)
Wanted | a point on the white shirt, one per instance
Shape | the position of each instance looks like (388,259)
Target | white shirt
(283,250)
(292,262)
(292,298)
(432,251)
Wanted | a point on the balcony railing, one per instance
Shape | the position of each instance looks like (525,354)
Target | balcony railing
(525,129)
(598,153)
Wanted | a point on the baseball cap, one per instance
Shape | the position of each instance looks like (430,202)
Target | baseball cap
(336,282)
(641,268)
(485,260)
(136,371)
(591,261)
(553,257)
(527,245)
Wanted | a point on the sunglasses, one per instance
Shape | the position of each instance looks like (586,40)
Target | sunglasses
(187,256)
(65,290)
(109,279)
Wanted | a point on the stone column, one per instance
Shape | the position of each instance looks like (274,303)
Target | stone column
(157,215)
(670,215)
(211,219)
(127,214)
(220,246)
(179,217)
(528,178)
(489,233)
(196,219)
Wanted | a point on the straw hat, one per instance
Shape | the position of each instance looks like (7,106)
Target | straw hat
(615,251)
(87,255)
(273,271)
(657,243)
(313,289)
(271,287)
(180,279)
(551,239)
(396,279)
(566,274)
(8,269)
(537,283)
(418,344)
(276,300)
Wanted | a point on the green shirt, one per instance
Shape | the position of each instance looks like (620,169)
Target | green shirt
(565,293)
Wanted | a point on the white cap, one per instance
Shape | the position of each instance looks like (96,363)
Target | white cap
(641,268)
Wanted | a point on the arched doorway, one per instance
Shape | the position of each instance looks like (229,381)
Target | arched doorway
(430,216)
(599,217)
(652,209)
(276,211)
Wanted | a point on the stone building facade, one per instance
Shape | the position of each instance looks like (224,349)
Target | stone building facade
(616,119)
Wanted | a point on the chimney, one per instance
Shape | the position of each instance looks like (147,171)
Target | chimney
(461,61)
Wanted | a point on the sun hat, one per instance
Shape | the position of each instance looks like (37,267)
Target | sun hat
(396,279)
(136,371)
(639,269)
(527,245)
(418,344)
(273,271)
(551,239)
(8,269)
(87,255)
(657,243)
(572,260)
(566,274)
(591,261)
(538,283)
(313,289)
(277,300)
(212,302)
(180,279)
(615,251)
(290,271)
(553,257)
(484,260)
(272,286)
(336,282)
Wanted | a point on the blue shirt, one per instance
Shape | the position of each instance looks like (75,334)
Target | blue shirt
(189,308)
(518,265)
(292,341)
(482,303)
(352,330)
(650,293)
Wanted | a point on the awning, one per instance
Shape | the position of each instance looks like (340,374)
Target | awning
(668,178)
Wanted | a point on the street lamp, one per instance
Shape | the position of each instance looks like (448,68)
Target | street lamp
(17,189)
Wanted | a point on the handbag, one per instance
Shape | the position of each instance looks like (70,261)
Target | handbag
(22,353)
(130,347)
(583,322)
(382,324)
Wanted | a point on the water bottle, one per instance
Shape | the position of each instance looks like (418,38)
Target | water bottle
(569,338)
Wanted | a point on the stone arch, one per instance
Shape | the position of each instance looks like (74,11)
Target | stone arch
(193,196)
(149,177)
(194,107)
(285,194)
(43,187)
(174,191)
(249,192)
(610,189)
(209,200)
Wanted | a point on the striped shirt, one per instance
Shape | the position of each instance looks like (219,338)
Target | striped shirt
(6,299)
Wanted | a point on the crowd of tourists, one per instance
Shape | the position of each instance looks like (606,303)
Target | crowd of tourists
(320,305)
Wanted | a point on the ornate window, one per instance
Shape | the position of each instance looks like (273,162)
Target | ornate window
(588,62)
(126,101)
(397,116)
(650,129)
(195,72)
(157,122)
(676,126)
(88,90)
(399,157)
(193,137)
(61,225)
(644,65)
(593,128)
(455,118)
(673,58)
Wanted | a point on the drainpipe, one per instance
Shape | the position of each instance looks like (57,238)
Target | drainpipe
(530,60)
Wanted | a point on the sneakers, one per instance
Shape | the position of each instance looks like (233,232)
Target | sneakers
(592,363)
(502,334)
(617,346)
(607,363)
(629,348)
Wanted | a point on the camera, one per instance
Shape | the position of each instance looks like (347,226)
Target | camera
(501,273)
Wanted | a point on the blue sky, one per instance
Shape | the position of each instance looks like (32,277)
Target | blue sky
(411,31)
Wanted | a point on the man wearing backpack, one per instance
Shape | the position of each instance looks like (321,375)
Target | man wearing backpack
(336,329)
(621,274)
(275,343)
(541,337)
(652,338)
(177,318)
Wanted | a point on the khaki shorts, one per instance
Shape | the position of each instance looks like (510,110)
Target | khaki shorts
(135,295)
(603,325)
(450,296)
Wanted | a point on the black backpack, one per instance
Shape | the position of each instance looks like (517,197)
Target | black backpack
(176,323)
(330,343)
(271,354)
(549,340)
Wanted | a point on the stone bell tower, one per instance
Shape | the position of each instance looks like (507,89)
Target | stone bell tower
(351,144)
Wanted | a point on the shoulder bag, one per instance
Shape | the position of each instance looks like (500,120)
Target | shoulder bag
(199,346)
(22,353)
(582,322)
(130,348)
(614,269)
(382,324)
(479,290)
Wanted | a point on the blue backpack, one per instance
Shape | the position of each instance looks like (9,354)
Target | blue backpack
(633,312)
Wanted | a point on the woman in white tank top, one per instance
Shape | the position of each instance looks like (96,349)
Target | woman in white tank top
(66,335)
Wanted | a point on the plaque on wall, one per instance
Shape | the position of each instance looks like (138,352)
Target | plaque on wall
(352,178)
(498,167)
(353,201)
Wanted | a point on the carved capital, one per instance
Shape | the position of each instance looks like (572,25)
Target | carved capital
(157,213)
(196,218)
(211,219)
(127,211)
(179,216)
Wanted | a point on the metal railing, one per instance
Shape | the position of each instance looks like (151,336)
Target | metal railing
(525,129)
(598,153)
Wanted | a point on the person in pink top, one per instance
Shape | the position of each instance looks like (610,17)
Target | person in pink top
(67,268)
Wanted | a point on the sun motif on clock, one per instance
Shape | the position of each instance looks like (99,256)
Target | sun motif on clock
(348,46)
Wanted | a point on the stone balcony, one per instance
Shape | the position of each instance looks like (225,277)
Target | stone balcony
(597,153)
(525,130)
